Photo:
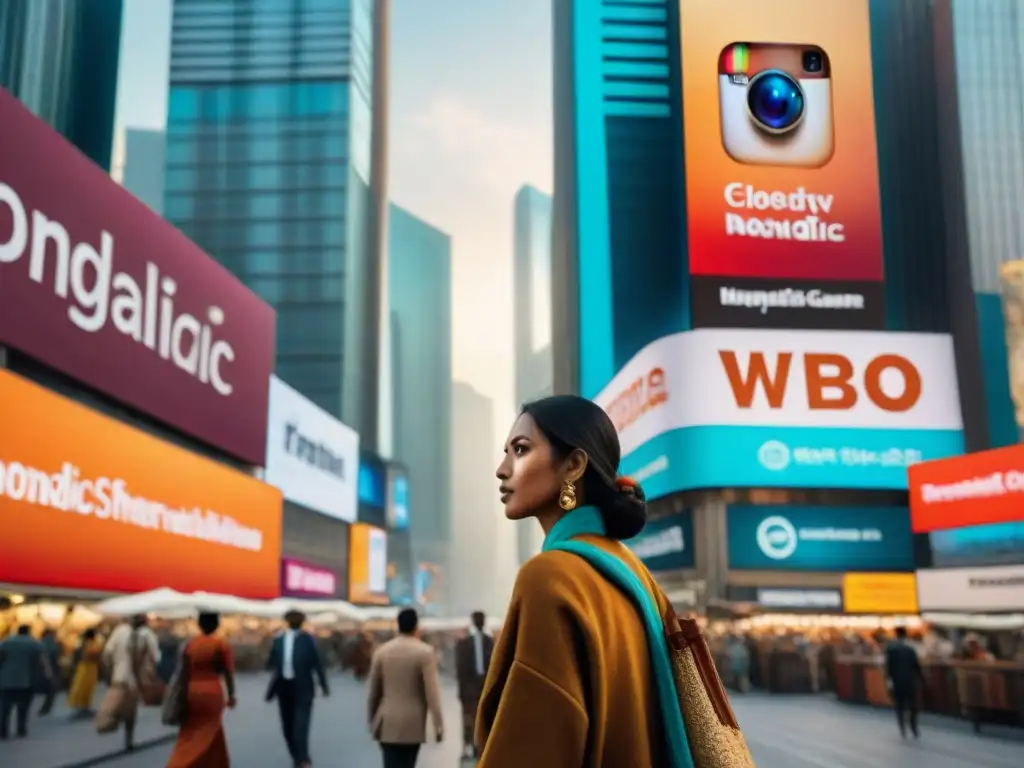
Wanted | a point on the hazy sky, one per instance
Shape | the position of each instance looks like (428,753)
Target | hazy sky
(470,123)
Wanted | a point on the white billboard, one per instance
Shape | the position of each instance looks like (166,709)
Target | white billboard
(311,456)
(757,407)
(994,588)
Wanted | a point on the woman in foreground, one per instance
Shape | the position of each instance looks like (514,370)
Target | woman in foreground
(201,742)
(570,684)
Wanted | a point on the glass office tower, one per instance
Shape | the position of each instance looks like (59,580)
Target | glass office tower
(420,298)
(531,270)
(60,58)
(273,167)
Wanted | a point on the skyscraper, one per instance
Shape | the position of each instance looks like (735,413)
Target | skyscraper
(60,58)
(987,39)
(532,317)
(419,294)
(276,166)
(475,575)
(143,173)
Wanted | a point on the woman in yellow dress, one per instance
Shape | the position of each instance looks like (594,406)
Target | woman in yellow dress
(87,674)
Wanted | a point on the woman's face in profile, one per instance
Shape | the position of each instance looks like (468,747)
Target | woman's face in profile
(528,475)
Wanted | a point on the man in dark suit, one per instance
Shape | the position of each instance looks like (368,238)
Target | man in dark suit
(903,673)
(22,666)
(294,661)
(472,658)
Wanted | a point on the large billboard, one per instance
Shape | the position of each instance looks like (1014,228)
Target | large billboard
(311,456)
(90,503)
(837,539)
(97,286)
(978,488)
(972,509)
(783,212)
(763,408)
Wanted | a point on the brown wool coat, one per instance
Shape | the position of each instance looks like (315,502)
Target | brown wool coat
(570,685)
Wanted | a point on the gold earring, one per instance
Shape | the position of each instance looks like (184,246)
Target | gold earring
(567,499)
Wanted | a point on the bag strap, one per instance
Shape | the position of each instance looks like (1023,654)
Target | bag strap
(685,634)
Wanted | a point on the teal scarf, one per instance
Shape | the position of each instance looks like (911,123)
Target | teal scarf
(588,520)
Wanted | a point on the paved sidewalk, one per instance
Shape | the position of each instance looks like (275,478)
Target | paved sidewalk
(57,741)
(783,732)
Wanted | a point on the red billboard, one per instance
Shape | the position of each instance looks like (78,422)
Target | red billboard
(976,489)
(97,286)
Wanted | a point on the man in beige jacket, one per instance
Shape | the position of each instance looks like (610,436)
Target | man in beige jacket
(403,689)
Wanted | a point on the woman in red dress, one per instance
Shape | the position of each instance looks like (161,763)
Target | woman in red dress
(201,742)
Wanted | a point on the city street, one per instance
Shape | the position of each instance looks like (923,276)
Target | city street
(784,732)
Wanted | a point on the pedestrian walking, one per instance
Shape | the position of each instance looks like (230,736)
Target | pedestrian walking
(22,665)
(904,675)
(403,690)
(85,675)
(472,658)
(296,667)
(50,686)
(206,660)
(130,654)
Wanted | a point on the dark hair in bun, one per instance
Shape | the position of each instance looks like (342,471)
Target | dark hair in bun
(573,423)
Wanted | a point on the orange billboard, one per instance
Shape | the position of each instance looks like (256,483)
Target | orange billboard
(975,489)
(368,565)
(90,503)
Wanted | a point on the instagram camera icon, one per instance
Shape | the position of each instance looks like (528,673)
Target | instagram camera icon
(776,104)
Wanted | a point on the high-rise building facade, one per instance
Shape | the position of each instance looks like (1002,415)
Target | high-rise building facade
(143,172)
(532,293)
(475,574)
(986,43)
(60,58)
(275,146)
(419,295)
(531,296)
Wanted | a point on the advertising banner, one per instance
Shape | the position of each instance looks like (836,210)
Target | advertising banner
(398,498)
(798,599)
(762,408)
(666,544)
(820,538)
(299,579)
(975,590)
(368,565)
(90,503)
(311,456)
(985,487)
(783,208)
(977,545)
(372,489)
(97,286)
(880,593)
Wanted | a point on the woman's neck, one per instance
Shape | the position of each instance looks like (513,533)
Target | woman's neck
(548,517)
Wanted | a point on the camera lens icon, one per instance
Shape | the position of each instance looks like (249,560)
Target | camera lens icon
(775,101)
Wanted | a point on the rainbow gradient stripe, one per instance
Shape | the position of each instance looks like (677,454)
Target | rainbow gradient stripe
(736,59)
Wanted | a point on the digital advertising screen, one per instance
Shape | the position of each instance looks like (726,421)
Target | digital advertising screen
(796,408)
(783,211)
(837,539)
(368,565)
(109,508)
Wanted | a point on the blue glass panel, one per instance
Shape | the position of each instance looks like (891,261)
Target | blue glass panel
(182,104)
